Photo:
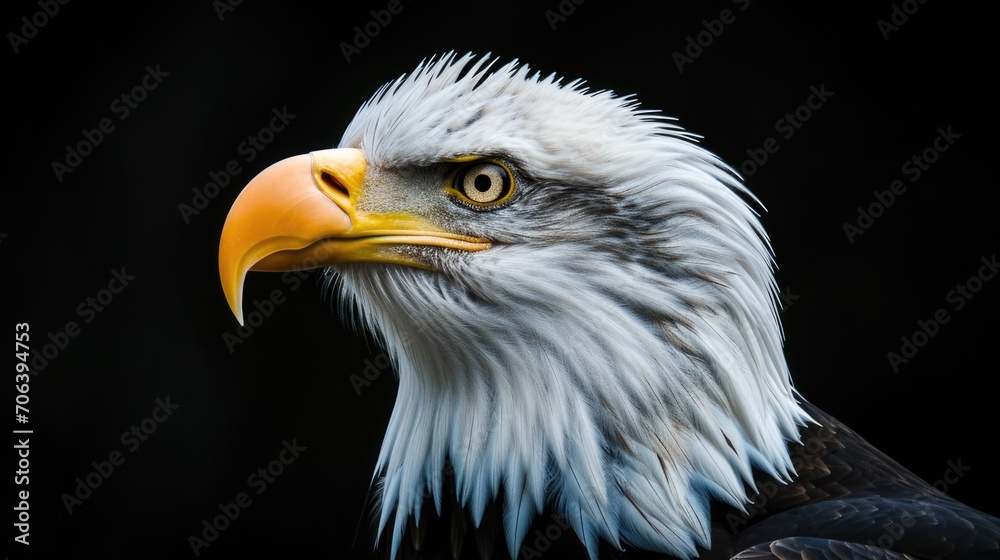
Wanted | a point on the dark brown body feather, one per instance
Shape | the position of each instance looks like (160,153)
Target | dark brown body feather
(848,501)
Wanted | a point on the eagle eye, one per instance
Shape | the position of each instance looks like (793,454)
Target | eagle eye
(484,183)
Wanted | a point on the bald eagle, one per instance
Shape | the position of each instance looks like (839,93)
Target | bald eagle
(579,303)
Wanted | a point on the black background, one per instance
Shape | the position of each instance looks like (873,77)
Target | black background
(163,334)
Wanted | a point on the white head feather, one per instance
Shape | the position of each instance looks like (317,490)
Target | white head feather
(616,355)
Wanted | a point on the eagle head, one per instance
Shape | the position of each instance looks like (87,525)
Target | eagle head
(577,298)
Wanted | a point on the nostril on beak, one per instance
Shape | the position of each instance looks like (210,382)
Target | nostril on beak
(332,183)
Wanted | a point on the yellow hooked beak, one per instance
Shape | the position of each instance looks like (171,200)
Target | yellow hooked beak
(302,213)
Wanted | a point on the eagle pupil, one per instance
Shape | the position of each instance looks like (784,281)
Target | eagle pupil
(483,183)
